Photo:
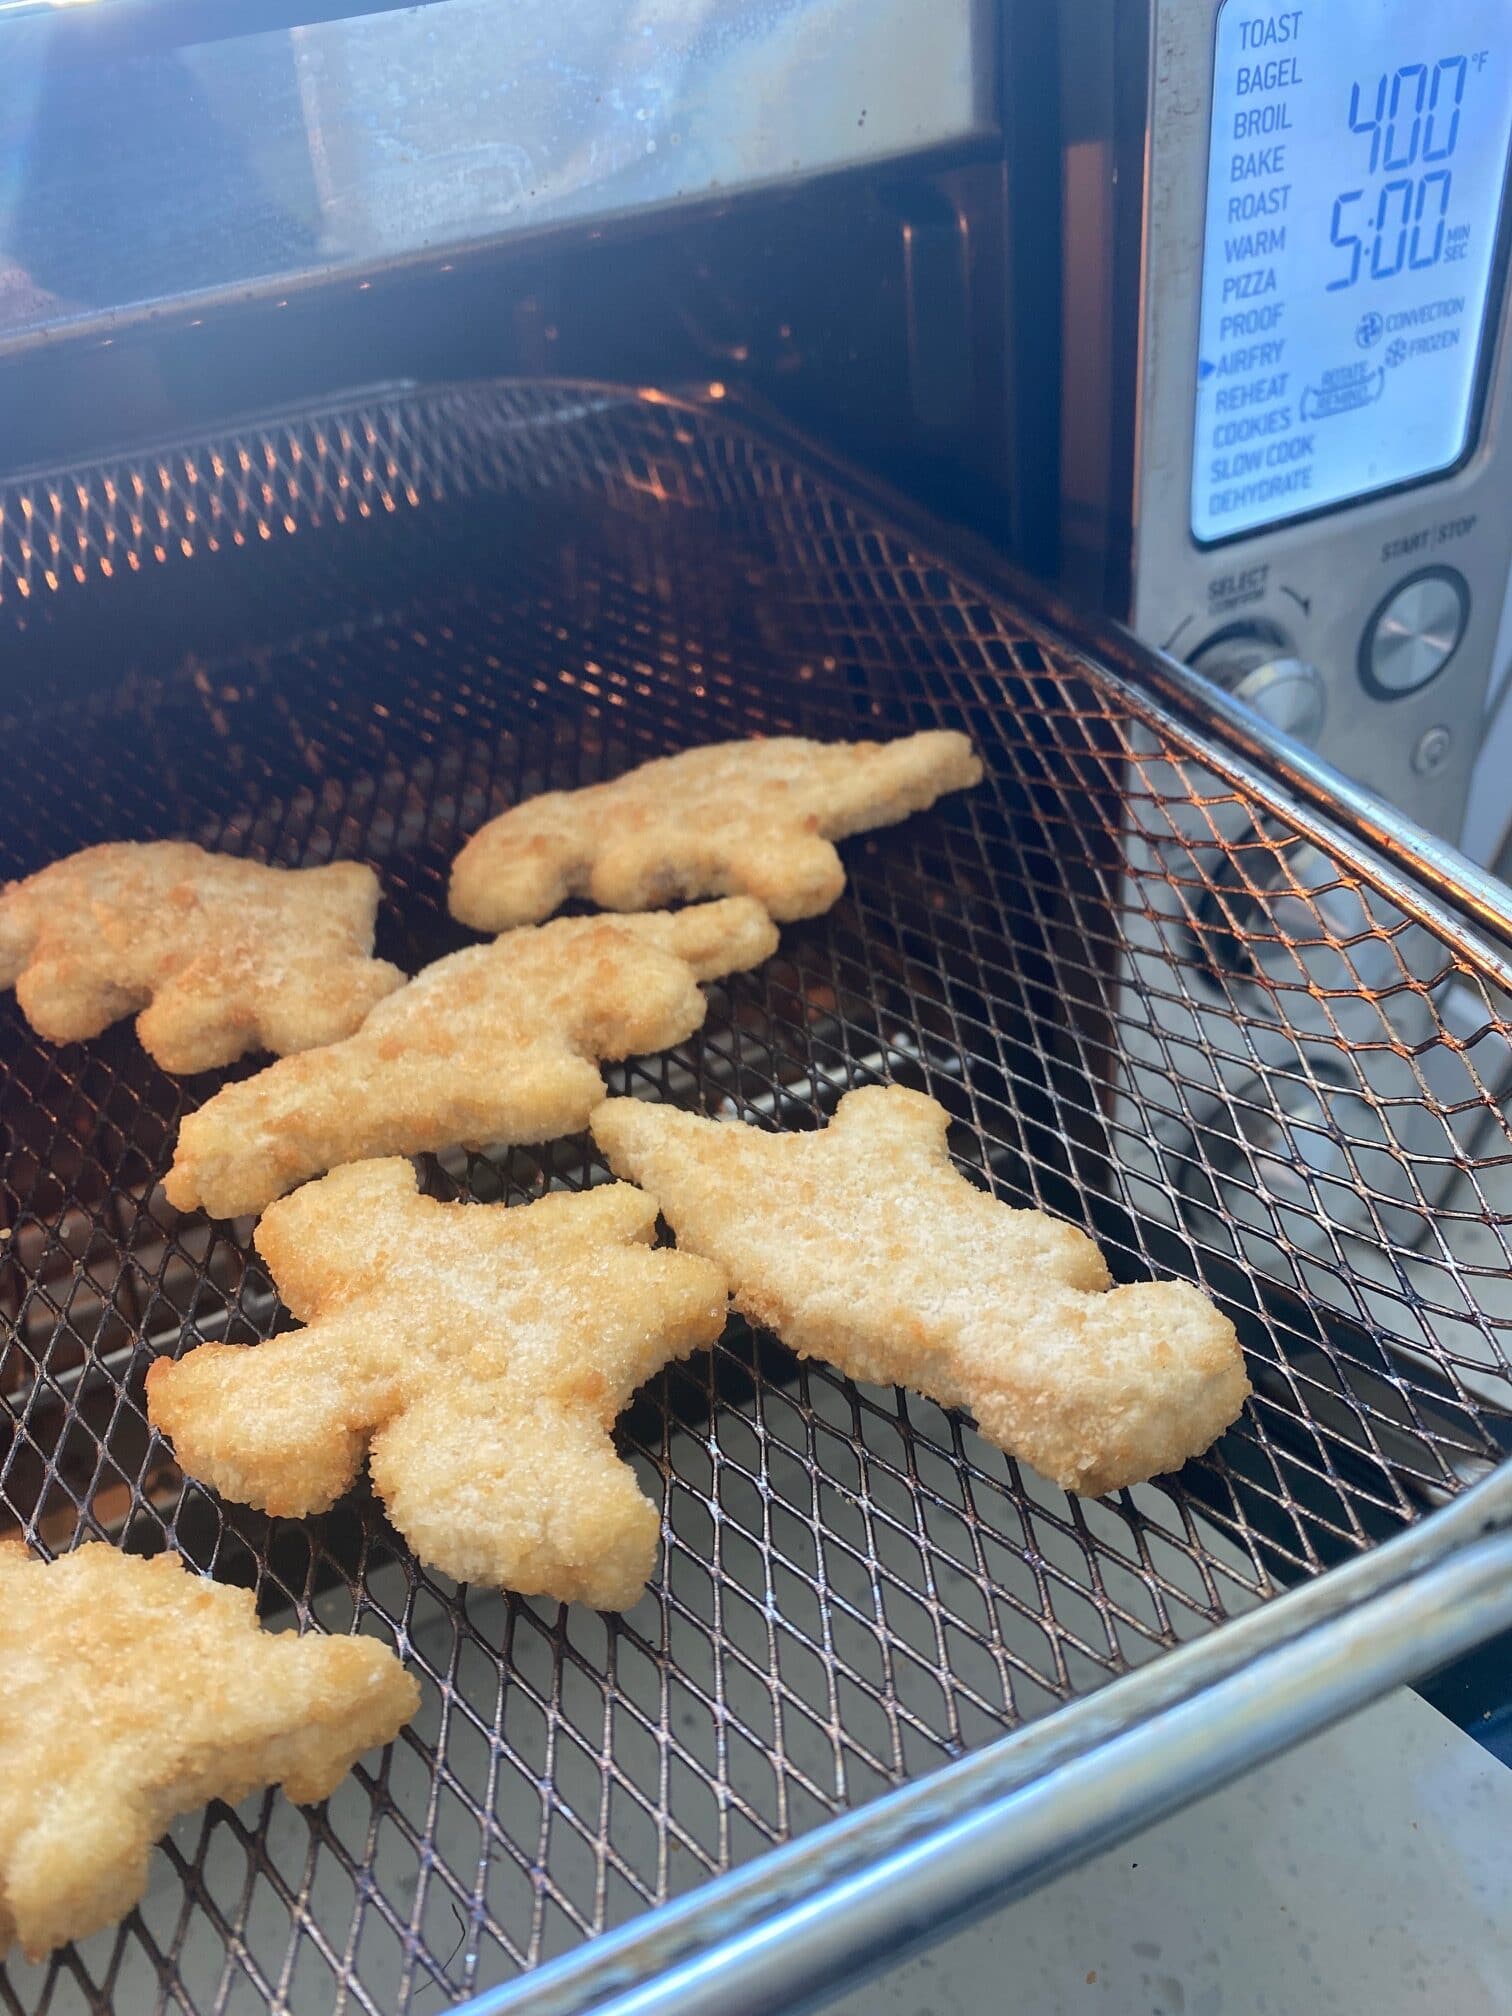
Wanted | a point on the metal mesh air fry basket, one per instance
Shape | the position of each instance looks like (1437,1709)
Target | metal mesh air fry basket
(1157,993)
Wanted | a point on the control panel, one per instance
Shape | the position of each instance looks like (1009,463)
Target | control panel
(1323,509)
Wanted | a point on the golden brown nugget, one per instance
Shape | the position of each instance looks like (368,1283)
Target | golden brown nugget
(478,1353)
(752,818)
(494,1045)
(220,956)
(135,1691)
(864,1246)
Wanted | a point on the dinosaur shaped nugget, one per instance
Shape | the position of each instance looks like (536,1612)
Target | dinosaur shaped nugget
(477,1354)
(735,817)
(492,1046)
(213,955)
(134,1691)
(863,1245)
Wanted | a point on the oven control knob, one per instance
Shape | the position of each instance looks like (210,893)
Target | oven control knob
(1256,667)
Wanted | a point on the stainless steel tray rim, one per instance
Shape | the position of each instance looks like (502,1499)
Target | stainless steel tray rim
(1262,1684)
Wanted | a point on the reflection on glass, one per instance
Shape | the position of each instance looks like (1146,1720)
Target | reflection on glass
(347,142)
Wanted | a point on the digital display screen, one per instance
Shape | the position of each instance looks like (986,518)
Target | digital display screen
(1356,164)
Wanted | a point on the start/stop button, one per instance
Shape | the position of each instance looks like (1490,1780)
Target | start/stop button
(1414,633)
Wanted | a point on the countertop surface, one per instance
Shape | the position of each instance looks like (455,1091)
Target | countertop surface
(1367,1873)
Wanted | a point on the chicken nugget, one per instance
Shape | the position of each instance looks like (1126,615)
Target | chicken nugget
(735,817)
(494,1045)
(863,1245)
(220,956)
(476,1353)
(136,1690)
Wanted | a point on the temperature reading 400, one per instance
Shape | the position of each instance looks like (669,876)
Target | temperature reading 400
(1412,118)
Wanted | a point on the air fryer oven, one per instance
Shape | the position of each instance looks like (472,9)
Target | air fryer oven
(1174,979)
(360,631)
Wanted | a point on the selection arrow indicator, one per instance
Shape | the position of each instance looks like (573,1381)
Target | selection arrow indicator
(1204,369)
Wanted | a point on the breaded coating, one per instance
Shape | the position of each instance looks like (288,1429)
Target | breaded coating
(478,1354)
(220,956)
(864,1246)
(753,818)
(134,1691)
(495,1045)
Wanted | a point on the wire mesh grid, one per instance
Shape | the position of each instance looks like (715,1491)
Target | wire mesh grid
(1148,1007)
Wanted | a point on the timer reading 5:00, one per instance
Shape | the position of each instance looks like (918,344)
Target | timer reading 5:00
(1413,119)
